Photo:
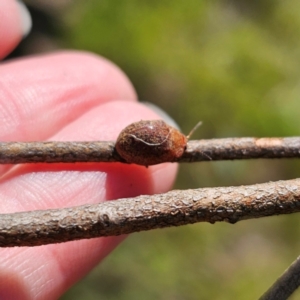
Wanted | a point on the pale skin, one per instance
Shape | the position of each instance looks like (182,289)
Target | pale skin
(63,96)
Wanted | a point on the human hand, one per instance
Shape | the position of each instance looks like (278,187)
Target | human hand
(63,96)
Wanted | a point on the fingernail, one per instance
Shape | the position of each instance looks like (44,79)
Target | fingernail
(162,114)
(26,22)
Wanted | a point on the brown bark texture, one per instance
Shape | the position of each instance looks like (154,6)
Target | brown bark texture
(197,150)
(123,216)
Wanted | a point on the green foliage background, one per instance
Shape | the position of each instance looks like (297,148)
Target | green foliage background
(235,65)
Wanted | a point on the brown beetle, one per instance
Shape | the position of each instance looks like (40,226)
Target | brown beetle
(151,142)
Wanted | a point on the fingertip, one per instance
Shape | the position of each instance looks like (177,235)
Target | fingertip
(25,18)
(15,23)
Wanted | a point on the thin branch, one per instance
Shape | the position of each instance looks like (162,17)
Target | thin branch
(241,148)
(286,284)
(57,152)
(198,150)
(230,204)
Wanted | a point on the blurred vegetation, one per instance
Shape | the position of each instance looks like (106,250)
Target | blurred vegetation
(235,65)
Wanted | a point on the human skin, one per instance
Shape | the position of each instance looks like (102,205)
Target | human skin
(63,96)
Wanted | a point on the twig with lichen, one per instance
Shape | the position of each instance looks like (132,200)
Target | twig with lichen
(123,216)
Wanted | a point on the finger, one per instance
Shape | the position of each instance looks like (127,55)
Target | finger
(50,270)
(40,95)
(15,23)
(51,91)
